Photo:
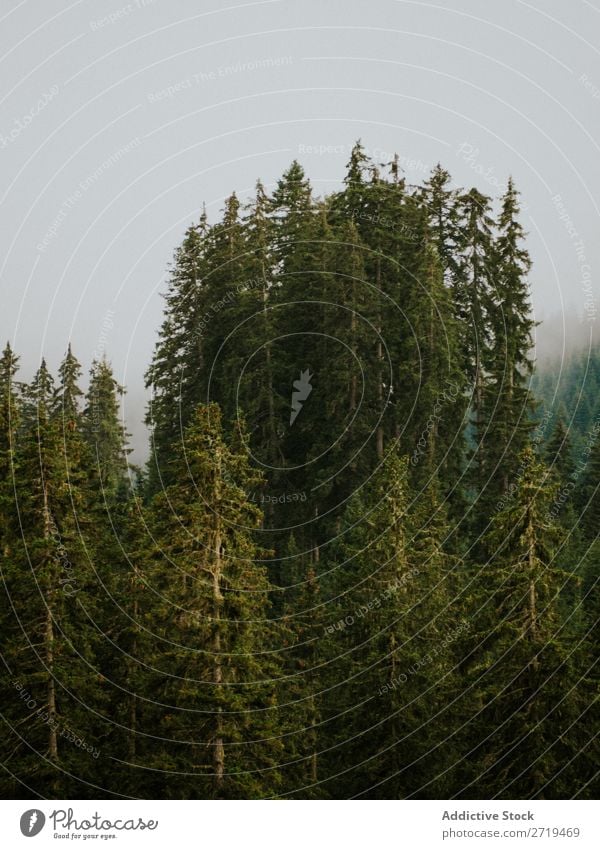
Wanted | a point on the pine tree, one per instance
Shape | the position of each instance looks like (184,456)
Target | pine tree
(225,281)
(69,393)
(49,644)
(256,386)
(392,640)
(474,306)
(507,403)
(589,495)
(113,512)
(438,383)
(370,616)
(216,667)
(105,434)
(558,450)
(179,354)
(443,213)
(292,206)
(301,684)
(9,426)
(526,706)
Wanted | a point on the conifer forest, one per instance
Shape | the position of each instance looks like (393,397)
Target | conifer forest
(362,559)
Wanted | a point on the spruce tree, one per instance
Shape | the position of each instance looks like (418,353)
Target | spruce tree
(558,450)
(392,634)
(507,402)
(589,494)
(9,426)
(301,689)
(105,435)
(443,212)
(473,301)
(49,646)
(311,630)
(179,354)
(217,668)
(526,703)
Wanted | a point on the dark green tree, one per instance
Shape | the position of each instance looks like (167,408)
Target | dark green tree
(507,419)
(217,668)
(50,688)
(527,715)
(105,434)
(392,631)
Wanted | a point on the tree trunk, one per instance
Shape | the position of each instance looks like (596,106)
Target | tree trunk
(354,379)
(49,645)
(532,601)
(52,738)
(379,436)
(218,747)
(434,430)
(131,741)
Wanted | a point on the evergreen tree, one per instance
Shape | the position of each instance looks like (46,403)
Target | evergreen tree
(217,666)
(179,354)
(558,450)
(9,426)
(50,689)
(105,434)
(301,685)
(589,494)
(67,399)
(474,307)
(444,219)
(401,603)
(524,672)
(507,403)
(392,638)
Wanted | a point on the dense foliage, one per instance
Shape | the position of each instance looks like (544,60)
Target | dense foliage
(359,563)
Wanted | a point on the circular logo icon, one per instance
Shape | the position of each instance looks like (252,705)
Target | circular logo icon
(32,822)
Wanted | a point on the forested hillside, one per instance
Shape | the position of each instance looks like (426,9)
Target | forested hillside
(360,562)
(569,388)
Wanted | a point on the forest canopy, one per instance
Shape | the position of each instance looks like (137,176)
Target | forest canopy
(362,560)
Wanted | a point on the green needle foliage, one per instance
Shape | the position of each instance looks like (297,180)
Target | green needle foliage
(362,560)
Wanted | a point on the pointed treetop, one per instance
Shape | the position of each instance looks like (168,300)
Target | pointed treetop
(357,164)
(293,189)
(231,211)
(260,192)
(438,172)
(439,178)
(511,231)
(103,428)
(258,207)
(295,173)
(68,393)
(41,389)
(509,204)
(203,226)
(9,363)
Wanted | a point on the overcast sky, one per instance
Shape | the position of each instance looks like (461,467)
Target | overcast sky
(117,120)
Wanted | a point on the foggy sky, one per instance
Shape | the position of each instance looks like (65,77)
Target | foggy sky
(117,120)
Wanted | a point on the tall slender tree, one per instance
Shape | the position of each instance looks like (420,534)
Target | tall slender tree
(525,669)
(217,666)
(507,419)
